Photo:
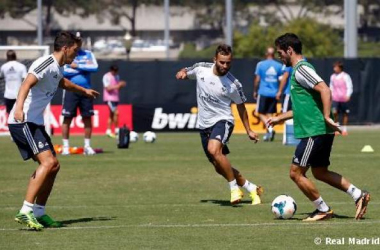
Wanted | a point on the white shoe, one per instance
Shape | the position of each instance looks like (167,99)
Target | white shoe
(89,151)
(65,151)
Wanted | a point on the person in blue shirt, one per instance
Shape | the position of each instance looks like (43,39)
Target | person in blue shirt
(266,85)
(79,72)
(285,84)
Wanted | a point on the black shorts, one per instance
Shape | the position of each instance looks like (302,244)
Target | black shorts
(9,104)
(71,101)
(31,139)
(221,131)
(112,105)
(314,151)
(286,103)
(340,107)
(266,105)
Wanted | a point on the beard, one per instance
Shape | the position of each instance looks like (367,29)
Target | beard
(221,71)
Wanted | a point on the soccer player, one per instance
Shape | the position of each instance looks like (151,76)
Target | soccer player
(341,90)
(313,124)
(112,85)
(26,125)
(265,89)
(216,89)
(79,72)
(14,73)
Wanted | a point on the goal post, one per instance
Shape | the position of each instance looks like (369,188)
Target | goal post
(25,55)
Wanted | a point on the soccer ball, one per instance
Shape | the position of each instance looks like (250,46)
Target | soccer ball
(284,207)
(149,136)
(133,136)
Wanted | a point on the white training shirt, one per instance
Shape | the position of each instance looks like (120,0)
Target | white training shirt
(49,74)
(307,77)
(214,94)
(13,73)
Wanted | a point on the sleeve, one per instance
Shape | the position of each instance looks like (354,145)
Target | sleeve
(91,65)
(1,72)
(331,83)
(37,69)
(237,93)
(257,70)
(307,77)
(192,71)
(23,71)
(349,85)
(106,81)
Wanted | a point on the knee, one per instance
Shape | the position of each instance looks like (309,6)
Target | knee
(213,151)
(52,165)
(294,175)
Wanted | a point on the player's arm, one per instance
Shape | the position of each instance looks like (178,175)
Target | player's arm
(191,72)
(29,82)
(107,84)
(182,74)
(274,120)
(244,118)
(90,66)
(68,85)
(283,81)
(256,82)
(349,86)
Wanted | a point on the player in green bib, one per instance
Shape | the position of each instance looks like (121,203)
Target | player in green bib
(313,124)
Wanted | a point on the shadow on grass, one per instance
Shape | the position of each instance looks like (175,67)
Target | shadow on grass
(225,203)
(86,219)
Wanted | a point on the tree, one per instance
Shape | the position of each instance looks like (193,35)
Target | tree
(319,40)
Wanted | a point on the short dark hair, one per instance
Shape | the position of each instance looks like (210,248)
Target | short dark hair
(289,40)
(11,55)
(114,68)
(65,38)
(224,50)
(339,64)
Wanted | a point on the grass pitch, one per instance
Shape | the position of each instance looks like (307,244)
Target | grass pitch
(167,196)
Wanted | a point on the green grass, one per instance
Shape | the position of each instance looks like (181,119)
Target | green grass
(166,196)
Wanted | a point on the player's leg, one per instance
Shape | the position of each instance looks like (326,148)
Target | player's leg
(255,192)
(300,165)
(86,107)
(345,112)
(69,111)
(110,120)
(360,197)
(116,119)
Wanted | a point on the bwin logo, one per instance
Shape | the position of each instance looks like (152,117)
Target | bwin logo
(174,121)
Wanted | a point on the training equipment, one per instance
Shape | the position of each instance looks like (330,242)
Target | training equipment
(29,220)
(26,55)
(149,136)
(284,207)
(47,221)
(124,134)
(367,149)
(288,136)
(133,136)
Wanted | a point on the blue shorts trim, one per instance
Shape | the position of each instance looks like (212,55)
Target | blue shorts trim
(72,101)
(314,151)
(221,131)
(112,105)
(340,107)
(31,139)
(286,104)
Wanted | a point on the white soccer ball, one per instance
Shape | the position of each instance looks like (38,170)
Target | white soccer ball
(149,136)
(133,136)
(284,207)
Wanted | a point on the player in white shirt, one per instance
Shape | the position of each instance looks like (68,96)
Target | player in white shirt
(216,89)
(13,73)
(26,125)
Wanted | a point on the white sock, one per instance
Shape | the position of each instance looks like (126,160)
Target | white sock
(38,210)
(87,142)
(26,207)
(354,192)
(65,143)
(344,128)
(321,205)
(108,131)
(117,131)
(233,184)
(270,129)
(250,187)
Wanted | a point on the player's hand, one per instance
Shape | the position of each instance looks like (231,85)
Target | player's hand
(273,121)
(73,65)
(334,125)
(181,75)
(19,116)
(278,96)
(122,84)
(348,99)
(91,93)
(255,95)
(253,136)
